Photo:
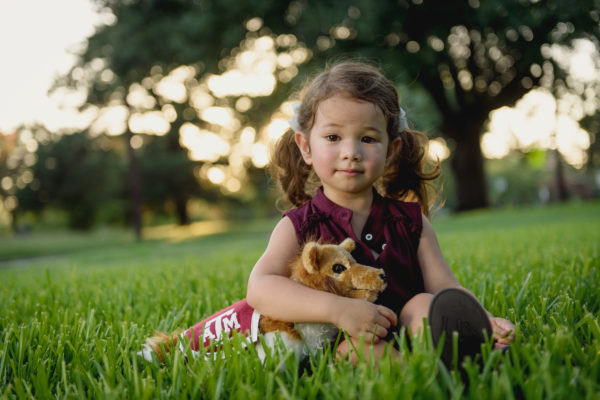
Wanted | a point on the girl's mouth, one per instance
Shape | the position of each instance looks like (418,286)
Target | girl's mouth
(349,172)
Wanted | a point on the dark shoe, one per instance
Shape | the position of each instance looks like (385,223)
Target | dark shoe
(455,310)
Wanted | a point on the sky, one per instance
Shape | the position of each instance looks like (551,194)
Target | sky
(36,37)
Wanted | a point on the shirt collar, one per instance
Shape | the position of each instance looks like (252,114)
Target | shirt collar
(337,212)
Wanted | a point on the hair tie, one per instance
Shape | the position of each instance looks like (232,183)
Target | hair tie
(402,121)
(294,123)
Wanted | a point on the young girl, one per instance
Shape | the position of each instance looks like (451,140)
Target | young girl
(351,136)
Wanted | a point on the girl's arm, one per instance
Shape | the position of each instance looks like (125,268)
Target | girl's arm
(437,276)
(436,272)
(272,293)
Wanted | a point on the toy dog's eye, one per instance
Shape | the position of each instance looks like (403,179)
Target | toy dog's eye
(338,268)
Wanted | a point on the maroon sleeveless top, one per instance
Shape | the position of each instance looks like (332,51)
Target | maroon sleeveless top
(392,230)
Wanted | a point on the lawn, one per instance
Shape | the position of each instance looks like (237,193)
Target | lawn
(75,310)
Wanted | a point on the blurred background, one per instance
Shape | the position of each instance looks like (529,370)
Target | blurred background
(141,113)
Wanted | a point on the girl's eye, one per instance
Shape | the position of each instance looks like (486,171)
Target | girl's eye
(367,139)
(332,138)
(338,268)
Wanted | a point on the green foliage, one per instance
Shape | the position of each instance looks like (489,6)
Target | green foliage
(165,34)
(166,172)
(70,325)
(591,124)
(77,174)
(517,179)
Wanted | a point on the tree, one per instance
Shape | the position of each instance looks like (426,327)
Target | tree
(12,170)
(592,125)
(149,40)
(471,57)
(76,174)
(168,175)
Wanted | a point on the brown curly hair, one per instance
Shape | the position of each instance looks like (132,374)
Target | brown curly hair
(407,175)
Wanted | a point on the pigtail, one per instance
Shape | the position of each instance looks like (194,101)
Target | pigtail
(289,170)
(409,175)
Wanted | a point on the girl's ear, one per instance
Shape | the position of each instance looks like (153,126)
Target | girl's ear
(393,149)
(304,146)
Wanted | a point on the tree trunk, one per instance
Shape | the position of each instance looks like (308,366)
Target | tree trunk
(135,187)
(468,168)
(14,221)
(181,191)
(560,187)
(181,209)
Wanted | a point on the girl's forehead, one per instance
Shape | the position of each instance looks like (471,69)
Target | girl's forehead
(345,109)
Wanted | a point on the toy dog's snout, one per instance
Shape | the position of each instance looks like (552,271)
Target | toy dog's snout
(383,277)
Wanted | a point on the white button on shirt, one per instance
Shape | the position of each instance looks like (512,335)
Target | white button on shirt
(368,236)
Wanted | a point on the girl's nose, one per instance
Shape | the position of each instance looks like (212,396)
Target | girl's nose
(351,151)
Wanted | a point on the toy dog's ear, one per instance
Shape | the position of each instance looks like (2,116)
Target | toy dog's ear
(348,245)
(310,257)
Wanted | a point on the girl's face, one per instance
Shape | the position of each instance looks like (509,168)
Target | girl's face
(348,146)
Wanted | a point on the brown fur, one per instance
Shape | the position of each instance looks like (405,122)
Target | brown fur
(163,343)
(315,268)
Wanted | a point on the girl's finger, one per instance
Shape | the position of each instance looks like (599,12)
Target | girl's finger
(369,337)
(389,314)
(383,321)
(499,332)
(499,345)
(504,324)
(506,334)
(380,331)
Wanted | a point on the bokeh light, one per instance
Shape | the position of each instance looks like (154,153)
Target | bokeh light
(536,122)
(202,145)
(438,149)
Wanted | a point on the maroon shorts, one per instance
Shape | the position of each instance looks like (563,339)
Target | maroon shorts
(239,317)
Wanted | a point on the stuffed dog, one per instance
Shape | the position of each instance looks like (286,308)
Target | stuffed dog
(326,267)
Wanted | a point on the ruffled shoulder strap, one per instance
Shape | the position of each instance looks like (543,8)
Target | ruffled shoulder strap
(408,213)
(306,220)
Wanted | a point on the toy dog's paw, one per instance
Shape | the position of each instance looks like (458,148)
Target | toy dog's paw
(146,352)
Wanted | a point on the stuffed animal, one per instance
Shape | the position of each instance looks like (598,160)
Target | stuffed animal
(326,267)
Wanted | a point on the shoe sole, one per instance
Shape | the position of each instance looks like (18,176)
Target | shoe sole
(455,310)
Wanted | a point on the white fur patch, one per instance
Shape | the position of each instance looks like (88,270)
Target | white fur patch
(272,338)
(146,352)
(315,335)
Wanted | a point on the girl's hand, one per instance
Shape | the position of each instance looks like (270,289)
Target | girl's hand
(359,317)
(504,332)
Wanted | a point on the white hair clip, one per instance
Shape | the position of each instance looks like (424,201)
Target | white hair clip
(294,124)
(402,121)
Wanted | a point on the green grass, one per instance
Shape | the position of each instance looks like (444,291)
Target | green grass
(76,308)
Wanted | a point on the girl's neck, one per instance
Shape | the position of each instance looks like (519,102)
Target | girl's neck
(359,204)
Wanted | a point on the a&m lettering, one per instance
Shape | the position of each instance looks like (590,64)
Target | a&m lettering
(224,323)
